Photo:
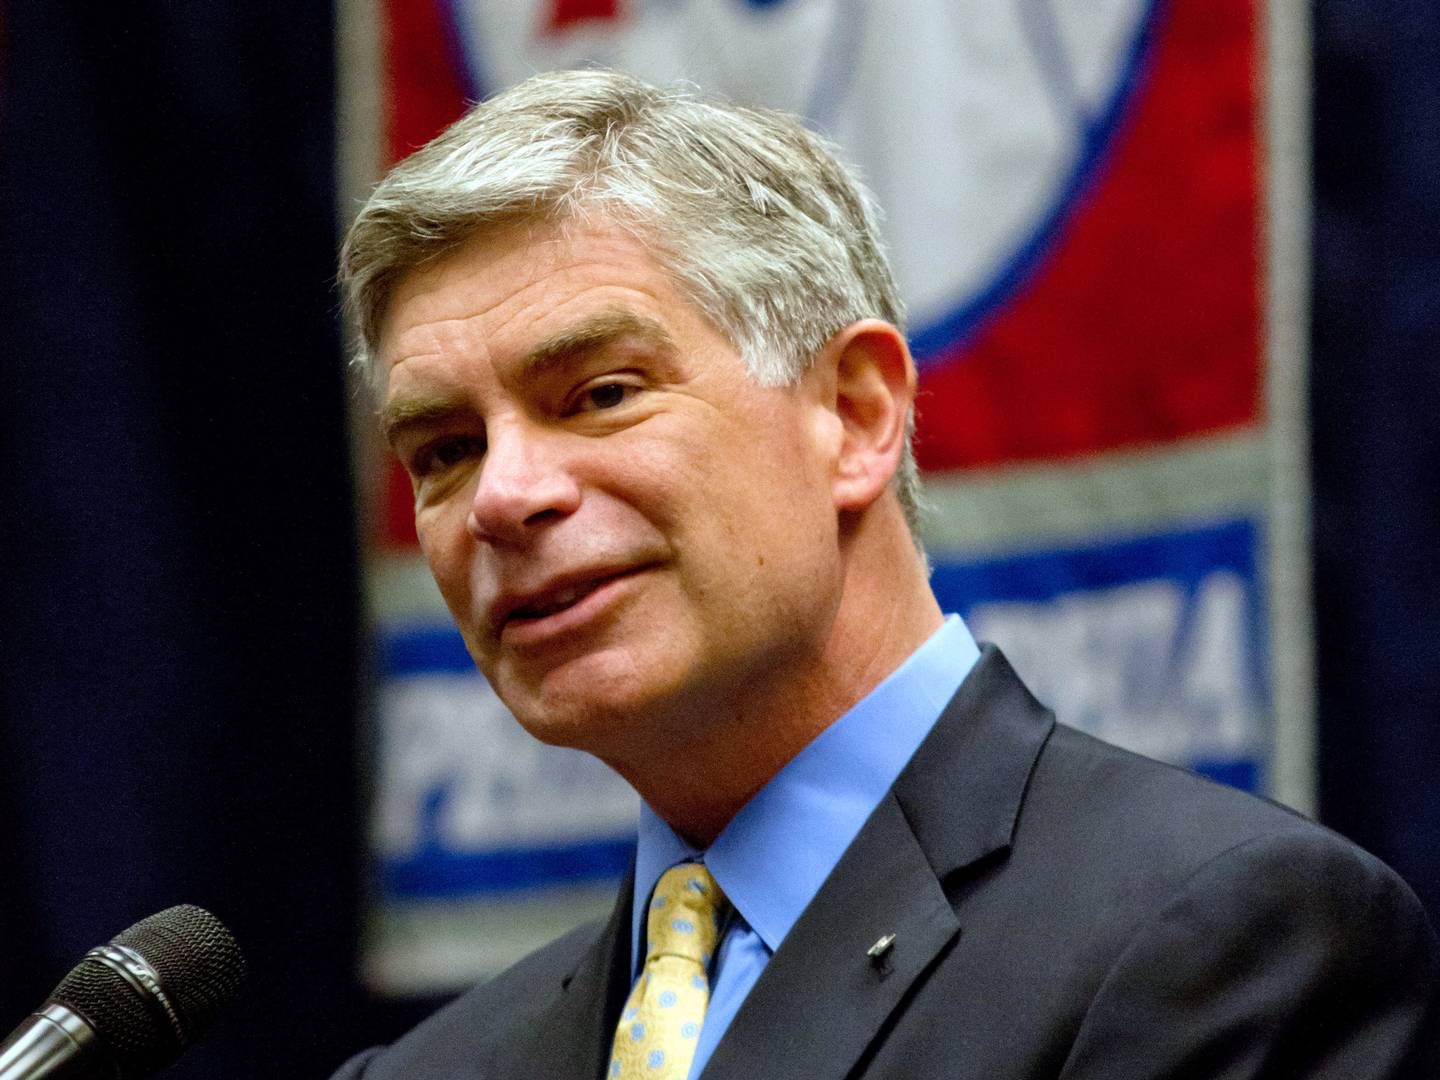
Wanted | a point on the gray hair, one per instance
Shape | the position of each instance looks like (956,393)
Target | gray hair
(752,214)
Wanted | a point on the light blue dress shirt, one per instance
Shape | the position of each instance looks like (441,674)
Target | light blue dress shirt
(772,858)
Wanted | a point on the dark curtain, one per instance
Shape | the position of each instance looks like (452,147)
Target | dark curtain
(1375,408)
(178,603)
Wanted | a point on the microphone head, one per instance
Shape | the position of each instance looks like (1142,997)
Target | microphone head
(156,987)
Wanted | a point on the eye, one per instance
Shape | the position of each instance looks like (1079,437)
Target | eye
(605,395)
(446,454)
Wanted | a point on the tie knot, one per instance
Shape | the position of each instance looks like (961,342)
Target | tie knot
(685,914)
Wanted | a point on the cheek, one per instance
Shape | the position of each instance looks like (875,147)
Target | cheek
(644,485)
(446,547)
(432,541)
(732,491)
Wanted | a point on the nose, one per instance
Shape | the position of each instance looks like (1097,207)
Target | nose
(524,483)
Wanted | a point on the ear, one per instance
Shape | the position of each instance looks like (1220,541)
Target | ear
(868,369)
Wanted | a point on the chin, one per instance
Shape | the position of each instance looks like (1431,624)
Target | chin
(597,703)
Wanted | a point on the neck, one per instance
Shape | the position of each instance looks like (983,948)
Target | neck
(886,612)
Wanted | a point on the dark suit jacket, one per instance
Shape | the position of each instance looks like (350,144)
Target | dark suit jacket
(1061,908)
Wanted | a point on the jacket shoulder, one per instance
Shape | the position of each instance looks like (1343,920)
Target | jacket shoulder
(1146,802)
(1241,922)
(1230,925)
(1105,838)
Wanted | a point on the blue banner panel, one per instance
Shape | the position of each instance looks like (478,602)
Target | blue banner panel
(435,872)
(1154,642)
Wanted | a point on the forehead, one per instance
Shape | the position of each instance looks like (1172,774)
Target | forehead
(498,294)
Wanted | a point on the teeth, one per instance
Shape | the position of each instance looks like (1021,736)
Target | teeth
(566,598)
(557,602)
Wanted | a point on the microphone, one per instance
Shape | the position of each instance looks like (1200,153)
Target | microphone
(128,1008)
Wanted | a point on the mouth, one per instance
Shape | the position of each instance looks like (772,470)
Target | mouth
(558,607)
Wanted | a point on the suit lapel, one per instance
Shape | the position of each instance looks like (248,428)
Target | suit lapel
(571,1037)
(963,789)
(821,1000)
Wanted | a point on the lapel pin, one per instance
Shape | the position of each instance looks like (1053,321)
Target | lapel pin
(877,951)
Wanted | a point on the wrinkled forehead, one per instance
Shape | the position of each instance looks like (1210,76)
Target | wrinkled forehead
(532,281)
(506,307)
(531,245)
(469,275)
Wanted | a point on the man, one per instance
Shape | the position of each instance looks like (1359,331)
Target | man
(642,357)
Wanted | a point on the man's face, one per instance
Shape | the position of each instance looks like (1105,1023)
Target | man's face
(635,539)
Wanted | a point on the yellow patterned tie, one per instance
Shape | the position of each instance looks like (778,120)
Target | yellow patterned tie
(662,1019)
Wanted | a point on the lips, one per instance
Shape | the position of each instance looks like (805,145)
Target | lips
(558,600)
(559,595)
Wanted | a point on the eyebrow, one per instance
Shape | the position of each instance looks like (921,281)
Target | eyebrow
(591,335)
(568,346)
(417,412)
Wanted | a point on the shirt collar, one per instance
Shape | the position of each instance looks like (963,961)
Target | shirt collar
(772,858)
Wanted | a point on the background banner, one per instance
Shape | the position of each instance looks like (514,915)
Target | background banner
(1093,216)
